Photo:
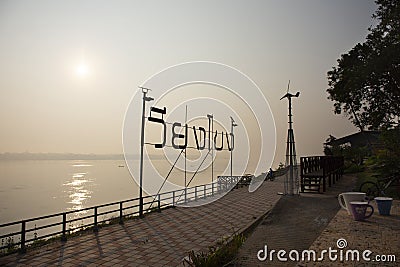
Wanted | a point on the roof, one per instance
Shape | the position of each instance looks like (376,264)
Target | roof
(359,139)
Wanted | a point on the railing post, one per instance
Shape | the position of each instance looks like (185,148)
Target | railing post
(195,192)
(159,203)
(121,221)
(173,198)
(185,194)
(23,233)
(95,228)
(212,189)
(64,227)
(205,192)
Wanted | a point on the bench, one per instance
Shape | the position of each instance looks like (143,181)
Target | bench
(317,171)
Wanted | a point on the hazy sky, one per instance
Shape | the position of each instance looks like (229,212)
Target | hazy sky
(50,102)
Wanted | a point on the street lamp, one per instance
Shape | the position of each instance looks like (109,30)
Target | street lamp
(233,124)
(145,99)
(211,146)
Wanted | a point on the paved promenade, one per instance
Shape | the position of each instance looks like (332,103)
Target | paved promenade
(379,234)
(294,223)
(316,222)
(159,239)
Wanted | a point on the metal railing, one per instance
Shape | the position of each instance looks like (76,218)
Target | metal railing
(63,224)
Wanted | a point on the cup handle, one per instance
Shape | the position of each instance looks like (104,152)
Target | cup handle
(367,199)
(341,201)
(372,212)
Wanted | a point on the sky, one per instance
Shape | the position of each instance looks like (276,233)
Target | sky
(68,69)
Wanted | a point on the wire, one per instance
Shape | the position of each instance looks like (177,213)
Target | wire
(189,126)
(198,168)
(192,147)
(166,178)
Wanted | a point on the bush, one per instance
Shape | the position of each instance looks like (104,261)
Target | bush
(354,168)
(216,257)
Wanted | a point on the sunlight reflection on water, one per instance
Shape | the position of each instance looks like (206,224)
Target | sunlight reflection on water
(32,188)
(78,189)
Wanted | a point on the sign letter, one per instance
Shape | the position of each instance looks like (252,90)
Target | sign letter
(201,129)
(178,136)
(222,141)
(158,120)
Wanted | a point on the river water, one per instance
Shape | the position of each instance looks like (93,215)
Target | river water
(32,188)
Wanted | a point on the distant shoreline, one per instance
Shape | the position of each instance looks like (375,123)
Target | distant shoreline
(59,156)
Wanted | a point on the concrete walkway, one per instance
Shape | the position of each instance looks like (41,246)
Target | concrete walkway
(379,234)
(293,224)
(159,239)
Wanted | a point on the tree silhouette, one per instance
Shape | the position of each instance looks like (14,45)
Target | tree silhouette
(366,82)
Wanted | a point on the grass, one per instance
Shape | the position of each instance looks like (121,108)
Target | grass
(220,255)
(369,174)
(10,246)
(364,176)
(353,168)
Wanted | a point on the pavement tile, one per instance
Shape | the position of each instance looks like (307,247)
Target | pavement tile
(315,221)
(379,234)
(160,239)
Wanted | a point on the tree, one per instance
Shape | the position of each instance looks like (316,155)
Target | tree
(331,149)
(353,155)
(365,84)
(389,156)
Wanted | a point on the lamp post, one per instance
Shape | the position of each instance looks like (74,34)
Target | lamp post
(233,124)
(145,99)
(211,146)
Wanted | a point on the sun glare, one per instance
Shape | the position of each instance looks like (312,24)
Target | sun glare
(82,69)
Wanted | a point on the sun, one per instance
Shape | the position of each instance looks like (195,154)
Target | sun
(82,70)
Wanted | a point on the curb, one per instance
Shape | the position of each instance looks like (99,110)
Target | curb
(243,231)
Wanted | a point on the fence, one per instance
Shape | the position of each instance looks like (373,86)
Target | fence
(61,225)
(315,170)
(226,183)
